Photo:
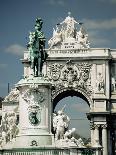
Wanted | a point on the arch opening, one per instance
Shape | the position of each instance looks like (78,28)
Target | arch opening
(76,108)
(67,93)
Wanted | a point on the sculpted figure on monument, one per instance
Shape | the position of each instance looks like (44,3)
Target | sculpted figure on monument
(63,136)
(36,48)
(60,124)
(12,127)
(82,38)
(9,127)
(13,95)
(113,84)
(69,23)
(100,82)
(56,39)
(69,134)
(67,36)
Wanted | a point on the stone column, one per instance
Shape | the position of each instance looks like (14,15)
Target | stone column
(92,134)
(96,135)
(104,139)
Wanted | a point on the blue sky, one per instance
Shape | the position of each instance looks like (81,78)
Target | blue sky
(17,18)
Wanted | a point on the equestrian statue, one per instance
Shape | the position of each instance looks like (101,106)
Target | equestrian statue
(36,47)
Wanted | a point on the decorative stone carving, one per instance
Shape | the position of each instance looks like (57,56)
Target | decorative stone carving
(113,84)
(69,134)
(96,126)
(100,82)
(56,39)
(68,27)
(33,95)
(9,127)
(79,142)
(82,38)
(55,71)
(70,75)
(67,36)
(104,126)
(63,136)
(34,114)
(60,124)
(13,96)
(92,126)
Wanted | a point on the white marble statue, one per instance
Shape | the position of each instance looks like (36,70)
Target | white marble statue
(13,95)
(69,23)
(82,38)
(60,124)
(8,127)
(113,82)
(68,134)
(57,37)
(100,82)
(79,142)
(67,35)
(12,127)
(63,136)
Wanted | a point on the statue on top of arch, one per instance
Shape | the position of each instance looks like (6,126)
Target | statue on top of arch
(66,35)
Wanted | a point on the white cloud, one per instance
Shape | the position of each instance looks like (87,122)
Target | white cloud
(61,2)
(80,107)
(100,24)
(94,31)
(55,21)
(16,49)
(115,34)
(56,2)
(3,85)
(109,1)
(97,40)
(2,66)
(112,1)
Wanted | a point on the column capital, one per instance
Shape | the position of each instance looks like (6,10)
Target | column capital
(92,126)
(104,126)
(96,126)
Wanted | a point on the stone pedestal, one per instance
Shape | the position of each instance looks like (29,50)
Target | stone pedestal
(35,113)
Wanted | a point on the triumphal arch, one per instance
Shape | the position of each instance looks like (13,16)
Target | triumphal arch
(69,67)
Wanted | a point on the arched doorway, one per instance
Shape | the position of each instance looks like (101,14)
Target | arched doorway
(76,106)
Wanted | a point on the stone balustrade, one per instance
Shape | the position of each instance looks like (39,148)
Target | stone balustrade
(51,151)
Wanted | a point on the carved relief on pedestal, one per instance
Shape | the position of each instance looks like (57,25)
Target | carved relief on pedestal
(34,97)
(70,75)
(13,96)
(34,114)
